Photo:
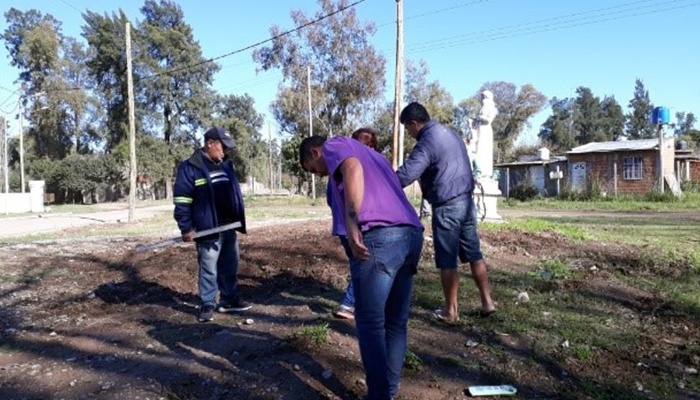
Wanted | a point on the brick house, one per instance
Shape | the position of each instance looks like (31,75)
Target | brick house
(620,167)
(687,163)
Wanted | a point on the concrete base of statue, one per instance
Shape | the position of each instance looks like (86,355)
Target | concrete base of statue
(486,199)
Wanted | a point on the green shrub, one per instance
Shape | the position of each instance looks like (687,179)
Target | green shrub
(524,192)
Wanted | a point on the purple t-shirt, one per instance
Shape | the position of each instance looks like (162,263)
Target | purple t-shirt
(384,202)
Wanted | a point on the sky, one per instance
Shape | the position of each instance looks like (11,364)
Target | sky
(555,45)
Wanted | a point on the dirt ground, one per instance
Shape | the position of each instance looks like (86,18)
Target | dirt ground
(92,319)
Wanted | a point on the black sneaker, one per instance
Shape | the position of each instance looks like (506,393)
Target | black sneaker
(206,313)
(237,305)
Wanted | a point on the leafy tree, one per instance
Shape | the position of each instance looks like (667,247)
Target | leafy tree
(107,66)
(347,73)
(557,132)
(181,96)
(237,114)
(436,99)
(613,118)
(515,108)
(587,122)
(639,124)
(461,114)
(34,42)
(684,123)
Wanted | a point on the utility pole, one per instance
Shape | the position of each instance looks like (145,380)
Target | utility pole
(311,125)
(397,153)
(6,181)
(132,127)
(269,135)
(21,140)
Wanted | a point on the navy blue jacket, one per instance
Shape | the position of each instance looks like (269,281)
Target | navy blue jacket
(194,200)
(440,162)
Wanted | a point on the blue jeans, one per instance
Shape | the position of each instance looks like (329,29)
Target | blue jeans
(218,268)
(349,296)
(454,234)
(383,286)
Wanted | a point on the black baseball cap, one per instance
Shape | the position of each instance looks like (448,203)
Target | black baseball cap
(220,134)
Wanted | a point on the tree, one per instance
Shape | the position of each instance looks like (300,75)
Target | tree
(515,108)
(587,122)
(107,66)
(347,73)
(178,86)
(461,114)
(237,114)
(684,123)
(557,132)
(639,124)
(435,98)
(613,118)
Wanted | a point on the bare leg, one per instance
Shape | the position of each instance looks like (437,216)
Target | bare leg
(450,288)
(481,278)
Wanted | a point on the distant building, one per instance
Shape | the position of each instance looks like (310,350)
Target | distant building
(687,163)
(534,170)
(620,167)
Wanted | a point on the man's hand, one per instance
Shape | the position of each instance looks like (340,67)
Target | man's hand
(358,248)
(188,237)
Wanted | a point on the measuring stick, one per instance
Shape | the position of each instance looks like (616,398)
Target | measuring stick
(175,240)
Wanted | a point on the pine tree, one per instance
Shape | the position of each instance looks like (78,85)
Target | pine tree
(639,124)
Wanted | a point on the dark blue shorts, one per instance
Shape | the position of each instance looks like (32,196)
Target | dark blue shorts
(454,234)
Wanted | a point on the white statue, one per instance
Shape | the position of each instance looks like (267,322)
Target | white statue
(481,126)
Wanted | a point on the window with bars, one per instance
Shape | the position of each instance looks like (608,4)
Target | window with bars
(633,168)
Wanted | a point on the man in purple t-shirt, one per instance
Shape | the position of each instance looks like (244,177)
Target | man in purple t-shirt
(386,238)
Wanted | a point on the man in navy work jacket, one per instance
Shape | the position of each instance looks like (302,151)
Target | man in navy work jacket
(440,162)
(207,195)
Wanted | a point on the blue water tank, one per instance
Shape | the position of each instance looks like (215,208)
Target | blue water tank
(661,116)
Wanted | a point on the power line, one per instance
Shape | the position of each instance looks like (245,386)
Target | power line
(539,22)
(435,12)
(300,27)
(192,66)
(70,5)
(523,29)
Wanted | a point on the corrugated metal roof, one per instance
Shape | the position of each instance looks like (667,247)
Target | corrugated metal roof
(626,145)
(552,159)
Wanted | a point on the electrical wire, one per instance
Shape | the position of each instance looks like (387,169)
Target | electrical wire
(513,31)
(195,65)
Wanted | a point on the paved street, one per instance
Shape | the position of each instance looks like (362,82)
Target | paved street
(48,222)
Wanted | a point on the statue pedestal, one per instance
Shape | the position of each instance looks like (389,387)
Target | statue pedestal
(486,199)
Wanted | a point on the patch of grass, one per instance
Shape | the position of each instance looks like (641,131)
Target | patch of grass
(412,361)
(450,361)
(652,201)
(537,225)
(582,352)
(553,268)
(317,334)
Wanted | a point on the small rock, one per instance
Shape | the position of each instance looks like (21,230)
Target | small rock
(594,268)
(327,374)
(565,344)
(639,386)
(681,385)
(296,367)
(523,297)
(150,346)
(689,370)
(360,382)
(249,321)
(546,314)
(471,343)
(72,383)
(53,334)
